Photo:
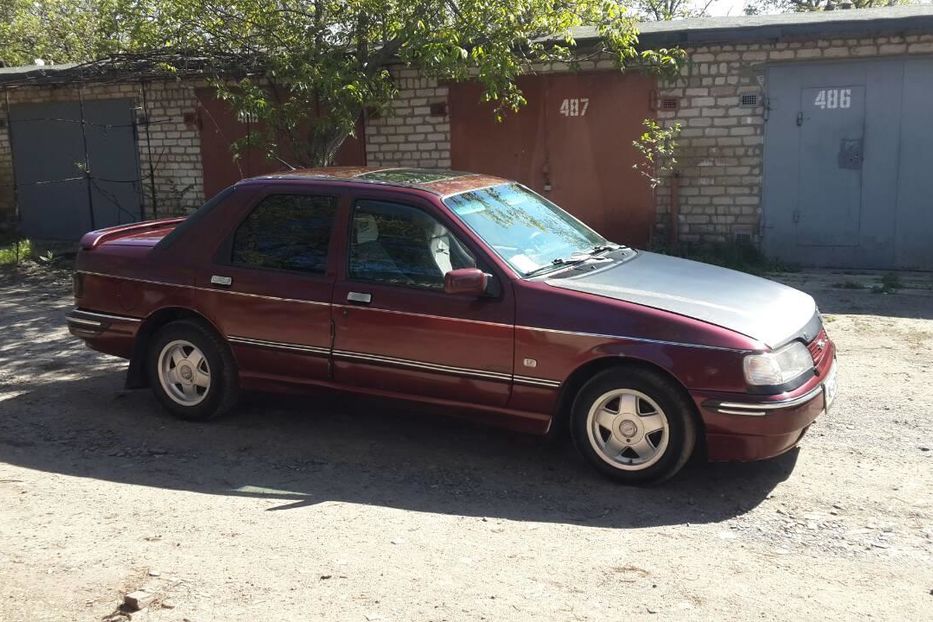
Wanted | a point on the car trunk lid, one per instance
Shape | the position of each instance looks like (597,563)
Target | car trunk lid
(145,234)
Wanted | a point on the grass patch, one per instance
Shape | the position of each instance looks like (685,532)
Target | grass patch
(15,252)
(889,284)
(737,256)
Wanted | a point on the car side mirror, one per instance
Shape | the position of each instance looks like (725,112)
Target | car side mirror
(465,281)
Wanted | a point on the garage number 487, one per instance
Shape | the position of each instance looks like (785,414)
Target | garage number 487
(830,99)
(574,106)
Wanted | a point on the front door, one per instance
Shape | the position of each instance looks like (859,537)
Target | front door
(274,279)
(396,330)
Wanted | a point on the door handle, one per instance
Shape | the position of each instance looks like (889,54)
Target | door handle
(359,297)
(223,281)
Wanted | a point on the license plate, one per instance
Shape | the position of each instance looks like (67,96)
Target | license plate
(829,388)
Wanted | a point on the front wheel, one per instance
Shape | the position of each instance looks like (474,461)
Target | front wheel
(634,425)
(191,371)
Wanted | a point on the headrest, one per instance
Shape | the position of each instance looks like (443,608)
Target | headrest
(365,228)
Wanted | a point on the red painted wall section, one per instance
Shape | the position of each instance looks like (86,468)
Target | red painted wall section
(220,128)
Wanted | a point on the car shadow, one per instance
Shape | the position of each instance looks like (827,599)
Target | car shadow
(298,452)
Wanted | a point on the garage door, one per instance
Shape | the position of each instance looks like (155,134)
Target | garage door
(220,127)
(572,142)
(847,178)
(75,172)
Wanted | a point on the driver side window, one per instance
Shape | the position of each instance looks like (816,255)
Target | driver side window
(397,244)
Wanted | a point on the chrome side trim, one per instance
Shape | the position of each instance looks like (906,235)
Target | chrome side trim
(75,320)
(759,409)
(536,382)
(747,413)
(203,289)
(449,369)
(423,315)
(108,316)
(279,345)
(426,315)
(392,361)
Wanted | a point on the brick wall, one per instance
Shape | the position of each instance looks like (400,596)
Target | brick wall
(720,149)
(721,145)
(174,145)
(409,135)
(7,198)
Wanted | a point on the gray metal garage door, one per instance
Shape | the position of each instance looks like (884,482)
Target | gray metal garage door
(75,172)
(848,165)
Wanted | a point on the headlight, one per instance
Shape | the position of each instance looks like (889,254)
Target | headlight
(778,367)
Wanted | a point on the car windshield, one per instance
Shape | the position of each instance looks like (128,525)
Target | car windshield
(525,229)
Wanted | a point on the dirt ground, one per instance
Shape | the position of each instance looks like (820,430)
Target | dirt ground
(335,508)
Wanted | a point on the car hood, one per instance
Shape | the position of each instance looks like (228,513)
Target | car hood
(758,308)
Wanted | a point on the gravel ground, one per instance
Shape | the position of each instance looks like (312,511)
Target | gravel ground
(337,508)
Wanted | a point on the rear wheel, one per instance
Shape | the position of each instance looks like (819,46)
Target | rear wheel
(191,371)
(634,425)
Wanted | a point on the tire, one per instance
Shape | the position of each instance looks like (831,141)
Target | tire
(191,371)
(644,448)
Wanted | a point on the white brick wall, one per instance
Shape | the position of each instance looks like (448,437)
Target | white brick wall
(721,146)
(409,135)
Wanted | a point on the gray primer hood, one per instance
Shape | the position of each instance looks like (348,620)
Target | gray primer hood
(758,308)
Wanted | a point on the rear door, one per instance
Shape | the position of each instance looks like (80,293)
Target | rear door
(395,328)
(274,277)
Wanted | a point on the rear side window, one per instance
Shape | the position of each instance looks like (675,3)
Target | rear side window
(286,232)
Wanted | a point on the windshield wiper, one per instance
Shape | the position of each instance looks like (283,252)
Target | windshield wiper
(576,258)
(605,248)
(554,265)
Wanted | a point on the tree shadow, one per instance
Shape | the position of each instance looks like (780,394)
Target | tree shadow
(858,293)
(331,447)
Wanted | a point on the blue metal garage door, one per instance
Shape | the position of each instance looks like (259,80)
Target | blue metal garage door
(75,172)
(847,179)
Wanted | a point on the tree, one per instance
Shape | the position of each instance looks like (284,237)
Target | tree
(58,31)
(327,59)
(306,70)
(664,10)
(757,7)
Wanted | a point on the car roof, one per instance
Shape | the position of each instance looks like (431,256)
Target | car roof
(441,182)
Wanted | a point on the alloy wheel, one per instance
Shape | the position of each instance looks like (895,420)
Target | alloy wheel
(184,373)
(627,429)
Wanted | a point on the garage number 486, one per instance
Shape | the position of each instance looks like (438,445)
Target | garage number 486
(833,98)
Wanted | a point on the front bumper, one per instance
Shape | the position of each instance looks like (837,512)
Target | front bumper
(745,430)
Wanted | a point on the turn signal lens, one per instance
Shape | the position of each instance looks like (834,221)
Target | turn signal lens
(778,367)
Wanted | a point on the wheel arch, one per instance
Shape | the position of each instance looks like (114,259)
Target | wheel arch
(136,377)
(582,374)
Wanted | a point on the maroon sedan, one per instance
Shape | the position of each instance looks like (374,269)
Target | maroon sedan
(467,292)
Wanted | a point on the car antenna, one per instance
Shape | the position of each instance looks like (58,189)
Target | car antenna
(290,167)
